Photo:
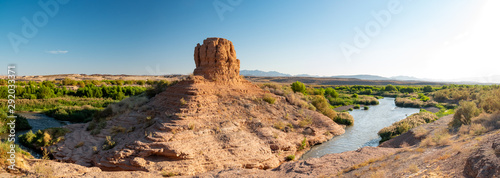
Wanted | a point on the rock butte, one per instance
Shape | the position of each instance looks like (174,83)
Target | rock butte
(215,119)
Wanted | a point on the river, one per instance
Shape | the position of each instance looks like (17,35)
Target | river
(363,133)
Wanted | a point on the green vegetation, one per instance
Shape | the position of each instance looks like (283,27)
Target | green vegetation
(299,87)
(406,124)
(108,143)
(464,114)
(303,144)
(20,154)
(344,118)
(269,98)
(72,113)
(290,157)
(43,138)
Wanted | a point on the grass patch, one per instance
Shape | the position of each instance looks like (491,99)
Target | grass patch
(290,157)
(269,98)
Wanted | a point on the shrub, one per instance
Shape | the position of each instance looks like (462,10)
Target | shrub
(117,129)
(344,118)
(464,113)
(427,88)
(406,124)
(299,87)
(183,101)
(357,106)
(305,122)
(108,143)
(279,125)
(366,107)
(390,88)
(43,138)
(290,157)
(323,106)
(303,144)
(269,98)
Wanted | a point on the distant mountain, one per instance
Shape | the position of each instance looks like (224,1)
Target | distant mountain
(402,77)
(263,73)
(260,73)
(362,77)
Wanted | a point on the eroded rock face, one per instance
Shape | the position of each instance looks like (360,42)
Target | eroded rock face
(216,60)
(213,120)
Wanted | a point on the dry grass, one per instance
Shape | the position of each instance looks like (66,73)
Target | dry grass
(420,132)
(118,129)
(43,170)
(279,125)
(446,156)
(378,174)
(305,122)
(413,168)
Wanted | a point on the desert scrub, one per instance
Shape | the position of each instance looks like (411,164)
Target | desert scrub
(290,157)
(464,114)
(43,138)
(183,101)
(303,144)
(108,143)
(279,125)
(73,113)
(414,103)
(439,138)
(406,124)
(20,154)
(118,129)
(344,118)
(269,98)
(305,122)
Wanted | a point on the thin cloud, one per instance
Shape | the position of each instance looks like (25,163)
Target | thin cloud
(57,52)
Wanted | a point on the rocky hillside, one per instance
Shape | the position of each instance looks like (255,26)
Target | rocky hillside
(215,119)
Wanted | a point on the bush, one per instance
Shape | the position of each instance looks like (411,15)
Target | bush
(299,87)
(323,106)
(108,143)
(357,106)
(390,88)
(366,107)
(344,118)
(43,138)
(464,113)
(406,124)
(269,98)
(290,157)
(427,88)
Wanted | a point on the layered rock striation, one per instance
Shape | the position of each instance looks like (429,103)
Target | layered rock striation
(216,60)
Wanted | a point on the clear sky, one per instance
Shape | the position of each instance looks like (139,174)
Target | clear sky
(443,39)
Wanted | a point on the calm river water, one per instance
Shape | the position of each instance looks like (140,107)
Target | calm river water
(363,133)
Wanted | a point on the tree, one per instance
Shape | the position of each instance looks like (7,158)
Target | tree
(390,88)
(331,92)
(428,88)
(299,87)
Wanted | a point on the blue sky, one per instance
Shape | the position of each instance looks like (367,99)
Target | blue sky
(428,39)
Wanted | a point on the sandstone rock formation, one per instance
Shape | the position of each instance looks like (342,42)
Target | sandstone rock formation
(212,120)
(216,60)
